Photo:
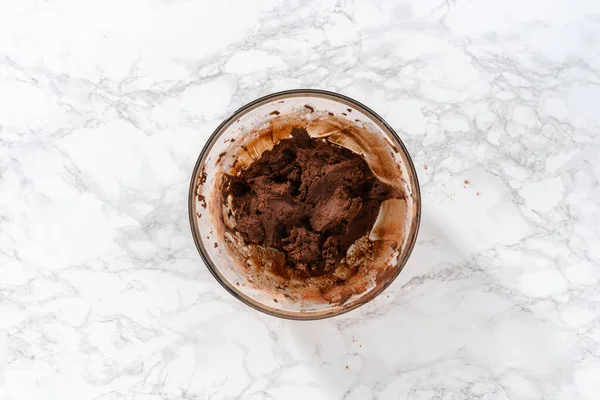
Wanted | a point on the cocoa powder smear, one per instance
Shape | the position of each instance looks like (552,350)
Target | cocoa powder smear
(309,199)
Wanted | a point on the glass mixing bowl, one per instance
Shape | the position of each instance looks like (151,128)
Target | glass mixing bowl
(326,115)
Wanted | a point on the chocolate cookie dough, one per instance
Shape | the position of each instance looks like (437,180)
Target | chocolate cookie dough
(308,198)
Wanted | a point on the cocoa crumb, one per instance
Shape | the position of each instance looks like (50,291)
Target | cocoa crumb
(221,156)
(349,109)
(275,300)
(309,107)
(330,113)
(274,112)
(467,182)
(344,114)
(216,245)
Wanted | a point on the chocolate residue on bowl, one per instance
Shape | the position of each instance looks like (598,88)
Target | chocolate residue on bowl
(202,200)
(308,198)
(203,176)
(366,264)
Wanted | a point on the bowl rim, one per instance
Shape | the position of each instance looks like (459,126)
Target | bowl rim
(293,315)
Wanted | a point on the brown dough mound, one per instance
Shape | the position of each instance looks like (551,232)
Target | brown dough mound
(308,198)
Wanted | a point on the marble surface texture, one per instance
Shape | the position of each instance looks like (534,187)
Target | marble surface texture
(105,106)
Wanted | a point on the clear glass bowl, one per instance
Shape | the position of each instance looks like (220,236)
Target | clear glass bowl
(223,153)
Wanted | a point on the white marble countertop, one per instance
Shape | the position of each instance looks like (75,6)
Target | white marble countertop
(105,106)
